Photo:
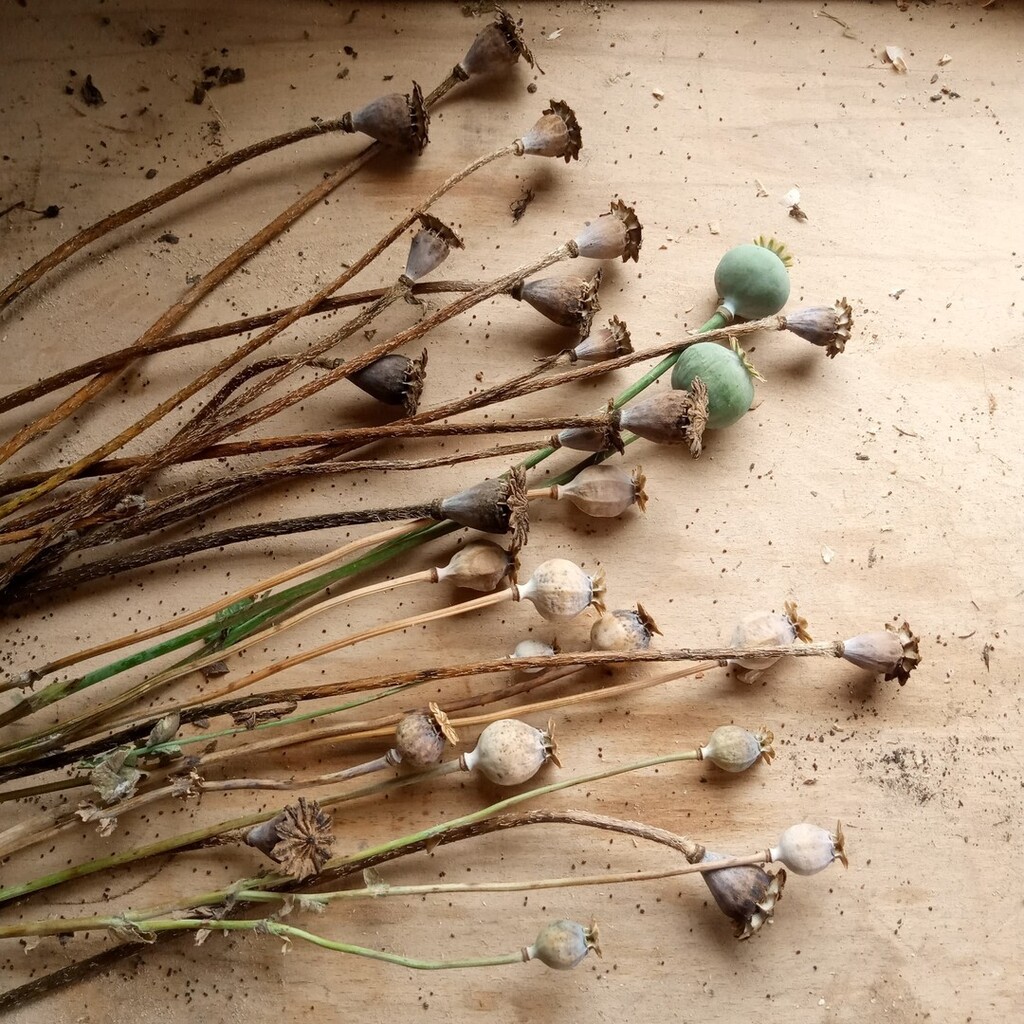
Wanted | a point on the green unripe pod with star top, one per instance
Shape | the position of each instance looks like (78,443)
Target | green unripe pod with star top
(726,373)
(752,280)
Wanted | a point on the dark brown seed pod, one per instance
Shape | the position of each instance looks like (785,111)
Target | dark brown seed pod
(624,630)
(394,380)
(605,343)
(397,120)
(299,838)
(569,301)
(826,326)
(496,48)
(557,133)
(746,894)
(614,234)
(420,738)
(493,506)
(429,248)
(671,417)
(480,565)
(591,439)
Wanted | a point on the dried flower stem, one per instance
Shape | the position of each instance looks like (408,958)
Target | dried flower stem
(139,209)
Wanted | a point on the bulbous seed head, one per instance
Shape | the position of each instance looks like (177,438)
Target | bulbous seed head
(561,590)
(826,326)
(420,737)
(892,653)
(614,234)
(399,121)
(569,301)
(534,649)
(496,47)
(556,134)
(808,849)
(394,380)
(563,944)
(430,247)
(510,752)
(605,491)
(624,630)
(734,749)
(766,629)
(480,565)
(747,894)
(606,343)
(493,506)
(670,417)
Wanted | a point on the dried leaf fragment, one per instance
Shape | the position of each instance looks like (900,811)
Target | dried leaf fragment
(944,60)
(113,779)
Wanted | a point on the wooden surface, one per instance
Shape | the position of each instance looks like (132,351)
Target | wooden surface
(902,456)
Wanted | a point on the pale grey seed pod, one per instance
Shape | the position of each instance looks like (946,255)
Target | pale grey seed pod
(561,590)
(766,629)
(624,630)
(430,247)
(420,738)
(604,491)
(747,894)
(825,326)
(605,437)
(890,652)
(165,730)
(605,343)
(556,134)
(734,749)
(534,649)
(563,944)
(510,752)
(614,234)
(808,849)
(480,565)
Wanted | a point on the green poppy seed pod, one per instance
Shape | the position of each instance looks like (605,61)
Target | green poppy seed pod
(556,134)
(394,380)
(606,343)
(766,629)
(569,301)
(420,738)
(889,652)
(734,749)
(397,120)
(563,944)
(624,630)
(510,752)
(726,373)
(604,491)
(752,281)
(429,247)
(825,326)
(480,565)
(493,506)
(614,234)
(808,849)
(534,649)
(495,49)
(747,894)
(561,590)
(670,417)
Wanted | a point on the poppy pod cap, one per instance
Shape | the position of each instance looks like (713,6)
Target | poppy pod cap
(557,133)
(825,326)
(605,343)
(747,894)
(561,945)
(430,247)
(569,301)
(496,48)
(671,417)
(614,234)
(394,380)
(493,506)
(397,120)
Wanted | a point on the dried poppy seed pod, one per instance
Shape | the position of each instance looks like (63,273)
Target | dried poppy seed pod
(766,629)
(299,838)
(808,849)
(670,417)
(556,134)
(592,439)
(606,343)
(560,590)
(429,248)
(889,652)
(604,491)
(747,894)
(534,649)
(495,49)
(825,326)
(420,738)
(397,120)
(493,506)
(569,301)
(735,749)
(264,836)
(613,234)
(624,630)
(563,944)
(480,565)
(394,380)
(510,752)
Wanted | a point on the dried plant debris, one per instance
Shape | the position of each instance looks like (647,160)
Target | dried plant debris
(213,76)
(896,57)
(519,206)
(791,200)
(91,94)
(847,29)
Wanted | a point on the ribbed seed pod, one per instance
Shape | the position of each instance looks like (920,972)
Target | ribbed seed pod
(397,120)
(569,301)
(556,134)
(493,506)
(429,247)
(670,417)
(808,849)
(592,439)
(624,630)
(480,565)
(747,894)
(604,491)
(826,326)
(394,380)
(891,653)
(560,590)
(614,234)
(496,48)
(605,343)
(420,738)
(510,752)
(563,944)
(735,749)
(766,629)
